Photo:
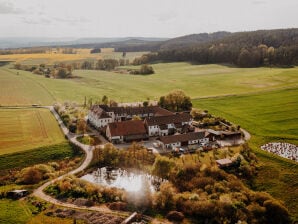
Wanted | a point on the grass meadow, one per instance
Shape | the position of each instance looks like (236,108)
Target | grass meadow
(23,129)
(196,80)
(269,116)
(261,100)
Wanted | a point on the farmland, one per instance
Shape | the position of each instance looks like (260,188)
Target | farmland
(269,116)
(81,55)
(23,129)
(195,80)
(261,100)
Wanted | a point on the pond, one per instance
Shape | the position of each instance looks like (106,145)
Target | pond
(123,179)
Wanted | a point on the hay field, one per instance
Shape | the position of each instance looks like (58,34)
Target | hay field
(51,58)
(24,129)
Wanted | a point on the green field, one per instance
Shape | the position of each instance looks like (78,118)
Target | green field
(195,80)
(23,129)
(12,212)
(269,116)
(37,155)
(262,100)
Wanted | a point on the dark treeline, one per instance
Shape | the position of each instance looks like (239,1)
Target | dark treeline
(244,49)
(35,50)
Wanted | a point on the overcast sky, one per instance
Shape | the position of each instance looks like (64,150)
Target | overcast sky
(149,18)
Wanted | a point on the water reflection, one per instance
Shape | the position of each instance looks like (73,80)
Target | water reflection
(120,178)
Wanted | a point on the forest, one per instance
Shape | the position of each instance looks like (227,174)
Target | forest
(242,49)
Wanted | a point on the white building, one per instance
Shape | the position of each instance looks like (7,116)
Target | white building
(191,138)
(167,125)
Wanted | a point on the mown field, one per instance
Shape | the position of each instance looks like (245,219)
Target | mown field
(23,129)
(195,80)
(270,116)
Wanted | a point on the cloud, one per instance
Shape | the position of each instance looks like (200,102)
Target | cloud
(8,8)
(259,2)
(72,21)
(165,17)
(36,21)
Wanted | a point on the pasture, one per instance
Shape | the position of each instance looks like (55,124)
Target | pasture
(23,129)
(268,116)
(196,80)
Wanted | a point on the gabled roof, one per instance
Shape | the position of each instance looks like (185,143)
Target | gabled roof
(223,132)
(155,110)
(182,138)
(100,113)
(224,162)
(125,128)
(170,119)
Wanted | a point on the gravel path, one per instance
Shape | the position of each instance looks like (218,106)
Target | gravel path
(88,150)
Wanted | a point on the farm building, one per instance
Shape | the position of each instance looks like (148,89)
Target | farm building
(191,138)
(223,135)
(15,194)
(100,115)
(222,163)
(167,125)
(126,131)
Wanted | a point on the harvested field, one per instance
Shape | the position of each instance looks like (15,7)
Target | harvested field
(23,129)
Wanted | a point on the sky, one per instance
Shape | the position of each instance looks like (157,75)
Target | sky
(146,18)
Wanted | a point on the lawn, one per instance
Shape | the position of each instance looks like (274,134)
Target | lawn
(195,80)
(23,129)
(268,116)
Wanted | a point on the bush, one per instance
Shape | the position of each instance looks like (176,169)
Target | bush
(175,216)
(120,206)
(30,175)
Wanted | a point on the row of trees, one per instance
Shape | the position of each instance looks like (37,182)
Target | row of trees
(34,50)
(101,64)
(61,71)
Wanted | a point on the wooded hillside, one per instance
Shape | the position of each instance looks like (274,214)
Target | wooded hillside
(243,49)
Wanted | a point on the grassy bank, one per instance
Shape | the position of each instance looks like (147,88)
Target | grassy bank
(38,155)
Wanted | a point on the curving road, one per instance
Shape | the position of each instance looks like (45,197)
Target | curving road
(88,150)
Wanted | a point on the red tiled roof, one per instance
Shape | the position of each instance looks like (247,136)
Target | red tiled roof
(125,128)
(170,119)
(182,138)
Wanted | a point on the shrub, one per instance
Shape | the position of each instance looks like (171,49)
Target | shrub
(30,175)
(175,216)
(120,206)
